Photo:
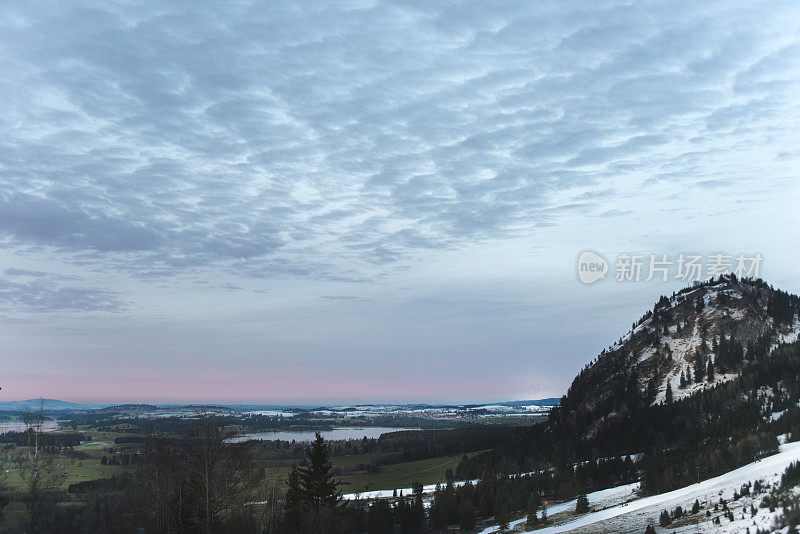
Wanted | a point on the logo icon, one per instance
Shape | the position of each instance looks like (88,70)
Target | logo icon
(591,267)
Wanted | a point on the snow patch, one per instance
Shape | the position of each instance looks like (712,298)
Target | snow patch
(621,514)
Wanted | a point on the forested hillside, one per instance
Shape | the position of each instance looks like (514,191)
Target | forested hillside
(703,382)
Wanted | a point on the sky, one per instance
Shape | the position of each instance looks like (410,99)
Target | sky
(337,202)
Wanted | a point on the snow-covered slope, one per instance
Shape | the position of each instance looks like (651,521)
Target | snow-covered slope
(618,509)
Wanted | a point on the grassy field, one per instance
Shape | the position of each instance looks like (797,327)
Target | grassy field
(401,475)
(69,471)
(85,464)
(81,464)
(353,459)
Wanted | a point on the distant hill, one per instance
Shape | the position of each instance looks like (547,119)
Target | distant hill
(59,405)
(51,405)
(130,408)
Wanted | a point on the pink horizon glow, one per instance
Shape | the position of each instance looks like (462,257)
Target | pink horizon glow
(211,390)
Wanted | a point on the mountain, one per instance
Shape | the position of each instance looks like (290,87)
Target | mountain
(50,405)
(723,322)
(705,381)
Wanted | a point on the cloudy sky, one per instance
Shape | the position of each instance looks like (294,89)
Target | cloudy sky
(372,201)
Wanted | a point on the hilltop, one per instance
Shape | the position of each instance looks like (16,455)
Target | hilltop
(721,324)
(704,381)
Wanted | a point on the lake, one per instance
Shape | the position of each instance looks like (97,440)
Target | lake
(329,435)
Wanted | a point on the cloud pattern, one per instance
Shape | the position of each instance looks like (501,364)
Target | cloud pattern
(39,291)
(335,140)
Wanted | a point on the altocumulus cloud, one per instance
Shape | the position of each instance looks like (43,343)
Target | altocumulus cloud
(37,291)
(331,140)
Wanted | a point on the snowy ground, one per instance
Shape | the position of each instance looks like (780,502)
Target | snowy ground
(603,498)
(620,511)
(426,490)
(385,494)
(19,426)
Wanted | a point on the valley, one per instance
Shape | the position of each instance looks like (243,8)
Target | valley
(699,401)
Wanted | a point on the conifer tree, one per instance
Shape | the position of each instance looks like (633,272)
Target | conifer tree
(668,396)
(503,517)
(379,517)
(418,513)
(484,508)
(533,506)
(294,500)
(318,485)
(632,393)
(651,391)
(664,519)
(466,516)
(699,368)
(582,504)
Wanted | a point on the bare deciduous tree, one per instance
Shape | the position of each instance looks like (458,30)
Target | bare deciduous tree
(219,475)
(38,473)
